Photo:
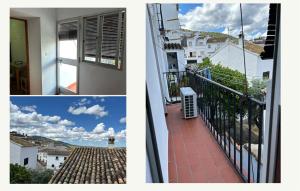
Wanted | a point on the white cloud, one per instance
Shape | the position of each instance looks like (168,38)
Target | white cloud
(30,108)
(93,110)
(53,127)
(121,134)
(99,128)
(65,122)
(217,16)
(13,108)
(123,120)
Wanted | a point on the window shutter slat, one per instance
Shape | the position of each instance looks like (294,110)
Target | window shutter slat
(90,38)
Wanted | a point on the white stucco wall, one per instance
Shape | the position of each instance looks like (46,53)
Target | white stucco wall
(51,160)
(15,153)
(170,16)
(232,56)
(156,101)
(34,46)
(18,154)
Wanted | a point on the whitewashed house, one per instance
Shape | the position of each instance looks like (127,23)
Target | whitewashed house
(23,152)
(171,35)
(231,55)
(197,46)
(53,158)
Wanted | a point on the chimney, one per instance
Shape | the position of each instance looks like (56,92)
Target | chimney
(111,142)
(240,40)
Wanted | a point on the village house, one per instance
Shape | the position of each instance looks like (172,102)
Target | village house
(23,152)
(231,55)
(53,158)
(198,46)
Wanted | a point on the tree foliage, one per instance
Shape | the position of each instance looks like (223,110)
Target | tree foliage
(21,175)
(41,176)
(224,75)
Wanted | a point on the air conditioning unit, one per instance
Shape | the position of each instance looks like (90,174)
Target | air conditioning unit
(188,102)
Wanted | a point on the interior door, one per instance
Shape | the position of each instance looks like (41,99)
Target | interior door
(68,57)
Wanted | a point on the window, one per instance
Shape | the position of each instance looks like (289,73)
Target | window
(26,161)
(266,75)
(192,54)
(52,165)
(65,158)
(172,60)
(104,39)
(56,158)
(190,43)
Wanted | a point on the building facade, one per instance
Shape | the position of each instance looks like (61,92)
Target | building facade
(53,158)
(23,153)
(231,56)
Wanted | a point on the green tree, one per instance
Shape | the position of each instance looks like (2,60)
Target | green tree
(258,89)
(19,174)
(41,176)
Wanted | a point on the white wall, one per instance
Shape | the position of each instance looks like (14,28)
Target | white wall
(156,101)
(232,56)
(51,159)
(47,18)
(15,154)
(18,154)
(95,79)
(34,46)
(170,16)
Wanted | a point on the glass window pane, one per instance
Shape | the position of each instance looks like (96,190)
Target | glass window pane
(68,77)
(68,49)
(67,36)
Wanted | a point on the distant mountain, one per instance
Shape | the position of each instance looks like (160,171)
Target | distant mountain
(44,140)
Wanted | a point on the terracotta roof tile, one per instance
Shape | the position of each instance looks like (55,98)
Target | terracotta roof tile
(172,46)
(254,47)
(93,166)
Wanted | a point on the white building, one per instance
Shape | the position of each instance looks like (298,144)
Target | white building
(23,153)
(197,46)
(156,64)
(231,55)
(53,158)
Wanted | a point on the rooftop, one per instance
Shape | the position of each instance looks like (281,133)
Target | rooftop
(55,152)
(21,142)
(172,46)
(194,154)
(89,165)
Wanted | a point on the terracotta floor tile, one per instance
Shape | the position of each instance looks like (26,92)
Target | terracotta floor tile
(194,154)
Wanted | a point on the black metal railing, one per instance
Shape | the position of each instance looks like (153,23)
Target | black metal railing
(235,120)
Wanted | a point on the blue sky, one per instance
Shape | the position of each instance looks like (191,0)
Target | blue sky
(73,119)
(184,8)
(225,18)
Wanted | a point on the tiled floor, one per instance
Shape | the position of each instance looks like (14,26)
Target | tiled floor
(73,87)
(194,155)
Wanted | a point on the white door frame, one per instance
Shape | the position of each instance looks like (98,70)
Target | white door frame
(60,89)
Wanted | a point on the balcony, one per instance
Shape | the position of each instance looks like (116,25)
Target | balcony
(194,154)
(224,143)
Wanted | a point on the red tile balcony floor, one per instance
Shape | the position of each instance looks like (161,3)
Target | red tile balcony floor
(194,154)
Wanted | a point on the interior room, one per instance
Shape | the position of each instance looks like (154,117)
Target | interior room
(73,51)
